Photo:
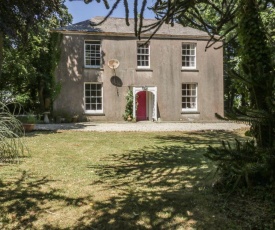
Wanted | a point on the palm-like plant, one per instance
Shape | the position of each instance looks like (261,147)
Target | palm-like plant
(11,133)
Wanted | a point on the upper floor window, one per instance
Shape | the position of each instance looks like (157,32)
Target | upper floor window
(188,56)
(93,98)
(92,54)
(189,97)
(143,55)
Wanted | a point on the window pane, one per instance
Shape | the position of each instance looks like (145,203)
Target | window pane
(92,86)
(99,93)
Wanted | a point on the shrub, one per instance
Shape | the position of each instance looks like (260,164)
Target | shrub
(27,119)
(129,106)
(11,132)
(243,164)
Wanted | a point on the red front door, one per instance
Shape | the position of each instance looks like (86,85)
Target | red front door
(141,108)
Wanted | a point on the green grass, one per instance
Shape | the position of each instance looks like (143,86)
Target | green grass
(128,180)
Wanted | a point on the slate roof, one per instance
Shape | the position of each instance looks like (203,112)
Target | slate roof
(118,26)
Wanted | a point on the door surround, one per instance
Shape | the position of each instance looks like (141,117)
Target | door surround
(153,90)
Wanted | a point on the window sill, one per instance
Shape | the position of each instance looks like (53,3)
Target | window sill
(190,112)
(95,68)
(95,114)
(189,70)
(144,70)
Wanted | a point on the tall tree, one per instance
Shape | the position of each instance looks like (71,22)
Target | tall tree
(18,17)
(257,72)
(30,55)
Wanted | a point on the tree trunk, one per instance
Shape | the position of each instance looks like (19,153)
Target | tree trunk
(256,67)
(41,97)
(264,129)
(1,51)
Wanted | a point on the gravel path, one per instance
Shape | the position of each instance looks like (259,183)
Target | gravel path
(141,126)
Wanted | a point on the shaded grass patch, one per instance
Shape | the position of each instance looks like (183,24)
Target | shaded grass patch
(90,180)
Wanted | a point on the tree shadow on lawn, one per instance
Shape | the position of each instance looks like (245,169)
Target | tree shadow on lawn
(159,187)
(213,137)
(41,132)
(25,200)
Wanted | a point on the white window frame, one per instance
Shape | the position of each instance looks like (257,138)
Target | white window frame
(93,111)
(142,55)
(188,95)
(92,42)
(189,48)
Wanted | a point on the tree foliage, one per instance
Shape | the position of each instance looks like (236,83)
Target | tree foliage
(243,164)
(19,17)
(221,19)
(31,55)
(129,106)
(11,144)
(257,71)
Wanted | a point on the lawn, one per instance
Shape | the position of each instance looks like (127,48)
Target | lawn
(127,180)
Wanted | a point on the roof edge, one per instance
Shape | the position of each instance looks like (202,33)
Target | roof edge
(77,32)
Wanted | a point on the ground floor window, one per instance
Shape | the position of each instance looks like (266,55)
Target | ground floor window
(93,98)
(189,97)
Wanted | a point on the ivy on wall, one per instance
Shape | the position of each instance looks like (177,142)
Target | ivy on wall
(55,55)
(129,105)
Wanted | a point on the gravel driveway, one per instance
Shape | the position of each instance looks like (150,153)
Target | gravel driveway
(141,126)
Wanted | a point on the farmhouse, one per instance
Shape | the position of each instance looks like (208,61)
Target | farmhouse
(172,77)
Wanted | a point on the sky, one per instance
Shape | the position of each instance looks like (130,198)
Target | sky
(81,11)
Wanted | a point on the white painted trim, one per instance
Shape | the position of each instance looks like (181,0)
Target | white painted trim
(189,67)
(100,50)
(190,109)
(149,54)
(84,99)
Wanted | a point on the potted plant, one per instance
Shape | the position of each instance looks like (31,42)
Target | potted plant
(75,118)
(28,121)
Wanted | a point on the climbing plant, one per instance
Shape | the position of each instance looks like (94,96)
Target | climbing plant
(49,88)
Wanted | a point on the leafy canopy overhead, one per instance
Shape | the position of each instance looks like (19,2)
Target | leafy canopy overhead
(215,17)
(28,54)
(17,17)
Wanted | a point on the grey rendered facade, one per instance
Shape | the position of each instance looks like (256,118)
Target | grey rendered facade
(179,79)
